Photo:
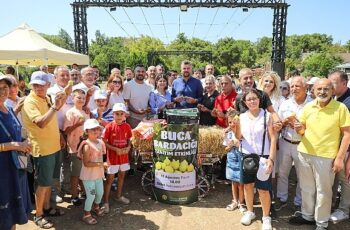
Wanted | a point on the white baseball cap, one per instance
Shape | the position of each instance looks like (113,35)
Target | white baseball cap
(39,78)
(100,94)
(91,124)
(119,107)
(313,80)
(262,174)
(79,87)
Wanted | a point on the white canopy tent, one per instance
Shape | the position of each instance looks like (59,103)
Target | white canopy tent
(24,46)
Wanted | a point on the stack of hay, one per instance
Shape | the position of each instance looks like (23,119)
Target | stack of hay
(210,140)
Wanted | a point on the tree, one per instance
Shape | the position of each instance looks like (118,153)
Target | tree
(319,64)
(347,46)
(62,40)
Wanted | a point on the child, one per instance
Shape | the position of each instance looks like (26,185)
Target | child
(117,136)
(102,113)
(73,128)
(233,166)
(92,171)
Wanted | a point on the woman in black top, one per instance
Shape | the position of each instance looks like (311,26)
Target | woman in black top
(207,104)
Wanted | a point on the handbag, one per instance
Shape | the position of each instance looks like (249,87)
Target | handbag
(250,162)
(19,159)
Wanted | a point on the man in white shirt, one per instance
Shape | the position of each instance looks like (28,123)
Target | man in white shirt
(151,76)
(289,140)
(136,95)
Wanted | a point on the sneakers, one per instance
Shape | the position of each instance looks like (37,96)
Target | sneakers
(76,201)
(242,208)
(299,220)
(232,206)
(338,216)
(279,205)
(247,218)
(266,223)
(123,200)
(105,208)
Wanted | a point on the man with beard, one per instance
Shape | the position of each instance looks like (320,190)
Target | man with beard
(187,91)
(128,74)
(325,128)
(136,95)
(342,94)
(151,76)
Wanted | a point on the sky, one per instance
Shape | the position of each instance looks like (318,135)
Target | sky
(304,16)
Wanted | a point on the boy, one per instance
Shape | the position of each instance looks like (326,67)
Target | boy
(73,128)
(117,136)
(102,113)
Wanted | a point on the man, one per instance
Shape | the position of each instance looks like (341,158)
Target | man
(224,102)
(128,74)
(197,74)
(339,80)
(187,91)
(209,69)
(289,140)
(136,96)
(97,75)
(247,82)
(75,76)
(40,119)
(321,153)
(171,75)
(88,78)
(45,69)
(159,69)
(311,84)
(151,76)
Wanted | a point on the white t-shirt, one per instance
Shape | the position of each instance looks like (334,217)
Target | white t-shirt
(252,132)
(51,92)
(91,104)
(229,136)
(277,102)
(115,98)
(138,94)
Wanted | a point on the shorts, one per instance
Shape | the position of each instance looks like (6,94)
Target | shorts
(75,164)
(46,168)
(264,185)
(113,169)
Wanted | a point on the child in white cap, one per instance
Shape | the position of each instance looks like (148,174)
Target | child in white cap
(117,136)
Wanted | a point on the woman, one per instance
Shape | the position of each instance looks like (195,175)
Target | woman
(208,102)
(115,89)
(160,98)
(285,89)
(15,204)
(270,84)
(251,132)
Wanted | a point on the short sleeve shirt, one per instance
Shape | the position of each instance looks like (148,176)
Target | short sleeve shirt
(264,102)
(118,136)
(223,103)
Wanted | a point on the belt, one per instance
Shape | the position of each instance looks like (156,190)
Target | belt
(292,142)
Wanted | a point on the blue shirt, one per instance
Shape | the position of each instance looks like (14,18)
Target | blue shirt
(345,98)
(157,100)
(106,115)
(190,88)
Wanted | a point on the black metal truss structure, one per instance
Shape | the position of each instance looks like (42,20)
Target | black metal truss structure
(279,19)
(207,55)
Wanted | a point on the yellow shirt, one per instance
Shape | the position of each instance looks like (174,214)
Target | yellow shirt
(322,134)
(45,141)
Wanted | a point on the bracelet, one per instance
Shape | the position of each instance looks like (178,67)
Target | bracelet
(271,160)
(54,109)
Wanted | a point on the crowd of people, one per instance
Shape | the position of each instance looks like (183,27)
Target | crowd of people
(78,137)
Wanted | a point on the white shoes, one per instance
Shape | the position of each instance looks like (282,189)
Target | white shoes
(266,223)
(338,216)
(232,206)
(247,218)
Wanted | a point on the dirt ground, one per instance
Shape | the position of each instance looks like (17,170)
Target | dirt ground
(145,213)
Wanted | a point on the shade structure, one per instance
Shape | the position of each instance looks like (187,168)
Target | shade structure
(24,46)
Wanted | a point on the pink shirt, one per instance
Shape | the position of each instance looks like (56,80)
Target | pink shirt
(95,154)
(71,118)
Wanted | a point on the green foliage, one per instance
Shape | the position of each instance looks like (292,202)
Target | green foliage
(319,64)
(62,40)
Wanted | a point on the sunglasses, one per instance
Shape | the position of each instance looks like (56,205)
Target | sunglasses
(117,82)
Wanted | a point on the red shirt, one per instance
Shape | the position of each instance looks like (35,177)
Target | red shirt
(118,136)
(222,103)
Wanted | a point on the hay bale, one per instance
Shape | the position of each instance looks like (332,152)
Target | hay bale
(142,145)
(211,139)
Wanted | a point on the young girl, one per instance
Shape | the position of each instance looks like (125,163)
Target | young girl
(232,166)
(92,171)
(102,113)
(117,136)
(73,128)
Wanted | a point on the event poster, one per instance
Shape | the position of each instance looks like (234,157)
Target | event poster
(175,147)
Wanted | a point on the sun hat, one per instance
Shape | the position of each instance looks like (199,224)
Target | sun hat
(91,124)
(100,94)
(119,107)
(262,174)
(39,78)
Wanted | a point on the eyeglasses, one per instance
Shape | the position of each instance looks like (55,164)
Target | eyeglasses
(284,88)
(251,99)
(269,81)
(117,82)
